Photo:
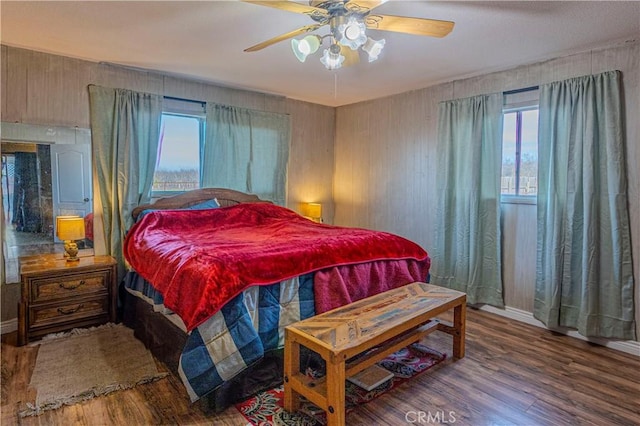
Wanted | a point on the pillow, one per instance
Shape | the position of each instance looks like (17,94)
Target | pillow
(209,204)
(143,213)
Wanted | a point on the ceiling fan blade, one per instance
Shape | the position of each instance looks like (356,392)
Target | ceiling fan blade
(417,26)
(294,33)
(293,7)
(351,57)
(362,6)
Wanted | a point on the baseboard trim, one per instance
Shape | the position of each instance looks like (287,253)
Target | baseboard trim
(9,326)
(627,346)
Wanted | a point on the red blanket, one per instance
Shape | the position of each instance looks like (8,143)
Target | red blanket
(201,259)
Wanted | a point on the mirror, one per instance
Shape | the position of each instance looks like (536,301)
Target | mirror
(46,172)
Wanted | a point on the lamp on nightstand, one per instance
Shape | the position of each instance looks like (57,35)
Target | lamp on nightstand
(312,211)
(70,229)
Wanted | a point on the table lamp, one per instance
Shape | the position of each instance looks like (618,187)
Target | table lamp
(70,229)
(312,211)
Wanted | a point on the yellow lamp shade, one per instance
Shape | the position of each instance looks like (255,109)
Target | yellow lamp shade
(70,228)
(314,209)
(59,218)
(311,210)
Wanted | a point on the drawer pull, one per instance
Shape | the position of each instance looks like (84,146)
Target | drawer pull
(71,287)
(70,311)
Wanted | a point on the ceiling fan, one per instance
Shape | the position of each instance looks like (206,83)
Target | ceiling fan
(348,21)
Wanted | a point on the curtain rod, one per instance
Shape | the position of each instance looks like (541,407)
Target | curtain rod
(526,89)
(173,98)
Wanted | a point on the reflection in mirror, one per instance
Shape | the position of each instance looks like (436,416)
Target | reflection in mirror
(46,172)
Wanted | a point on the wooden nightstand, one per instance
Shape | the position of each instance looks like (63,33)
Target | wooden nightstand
(58,295)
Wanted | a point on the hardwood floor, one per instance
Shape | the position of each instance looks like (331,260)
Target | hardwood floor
(512,374)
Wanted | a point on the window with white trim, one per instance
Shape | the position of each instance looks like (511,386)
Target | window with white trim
(519,178)
(181,136)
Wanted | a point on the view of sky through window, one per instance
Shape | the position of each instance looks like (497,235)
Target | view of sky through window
(180,143)
(178,166)
(520,152)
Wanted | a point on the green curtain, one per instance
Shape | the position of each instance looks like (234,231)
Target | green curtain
(466,254)
(125,129)
(246,150)
(584,267)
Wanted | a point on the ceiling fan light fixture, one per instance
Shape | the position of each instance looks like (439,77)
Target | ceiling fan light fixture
(347,21)
(332,59)
(352,33)
(305,47)
(373,48)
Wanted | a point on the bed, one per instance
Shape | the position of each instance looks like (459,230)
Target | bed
(217,274)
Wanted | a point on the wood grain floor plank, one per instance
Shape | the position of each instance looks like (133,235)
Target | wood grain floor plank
(512,374)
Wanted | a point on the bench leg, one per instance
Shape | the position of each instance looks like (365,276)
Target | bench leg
(459,321)
(335,392)
(291,367)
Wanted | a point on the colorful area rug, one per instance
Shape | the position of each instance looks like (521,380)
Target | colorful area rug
(265,409)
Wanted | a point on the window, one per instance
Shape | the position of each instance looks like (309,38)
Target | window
(178,167)
(519,179)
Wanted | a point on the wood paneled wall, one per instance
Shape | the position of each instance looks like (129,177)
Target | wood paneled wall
(386,160)
(39,88)
(383,159)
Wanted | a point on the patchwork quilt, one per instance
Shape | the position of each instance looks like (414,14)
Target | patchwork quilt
(239,334)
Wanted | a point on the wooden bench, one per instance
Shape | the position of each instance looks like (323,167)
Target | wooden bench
(387,322)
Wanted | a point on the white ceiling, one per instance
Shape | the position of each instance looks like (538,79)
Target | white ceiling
(205,40)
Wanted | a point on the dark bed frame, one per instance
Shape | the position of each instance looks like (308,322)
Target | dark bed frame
(165,340)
